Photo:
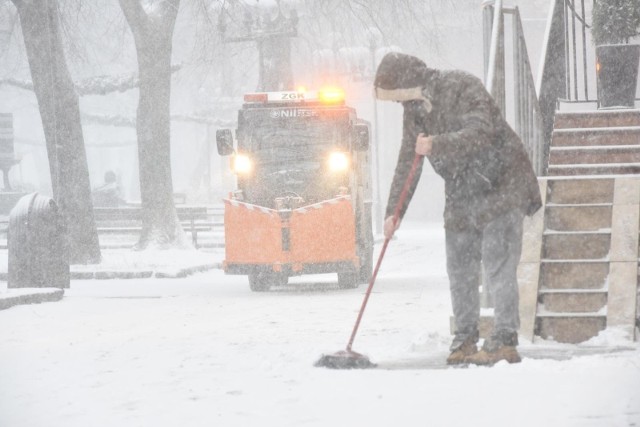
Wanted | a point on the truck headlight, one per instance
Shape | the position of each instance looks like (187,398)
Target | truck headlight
(338,161)
(241,164)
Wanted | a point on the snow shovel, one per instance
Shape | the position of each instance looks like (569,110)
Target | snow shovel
(349,359)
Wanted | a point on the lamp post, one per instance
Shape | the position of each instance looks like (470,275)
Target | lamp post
(376,139)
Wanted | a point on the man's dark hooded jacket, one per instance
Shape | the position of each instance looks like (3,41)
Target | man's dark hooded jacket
(483,162)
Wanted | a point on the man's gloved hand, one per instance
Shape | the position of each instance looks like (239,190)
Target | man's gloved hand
(390,227)
(424,144)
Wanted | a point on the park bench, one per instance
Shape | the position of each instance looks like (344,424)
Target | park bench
(128,219)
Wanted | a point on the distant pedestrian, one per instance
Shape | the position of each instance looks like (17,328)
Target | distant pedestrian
(108,194)
(490,186)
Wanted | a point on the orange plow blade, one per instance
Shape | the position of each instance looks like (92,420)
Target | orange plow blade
(322,233)
(252,234)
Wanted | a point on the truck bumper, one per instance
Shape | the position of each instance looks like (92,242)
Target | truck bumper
(319,238)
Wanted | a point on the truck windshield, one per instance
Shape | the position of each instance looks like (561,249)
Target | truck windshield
(290,159)
(292,140)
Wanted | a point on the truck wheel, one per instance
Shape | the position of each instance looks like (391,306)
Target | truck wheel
(280,279)
(347,280)
(263,281)
(257,283)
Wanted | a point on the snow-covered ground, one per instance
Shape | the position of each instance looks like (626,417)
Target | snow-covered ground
(205,351)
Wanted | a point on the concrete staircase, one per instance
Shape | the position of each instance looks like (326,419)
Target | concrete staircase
(603,142)
(576,241)
(588,266)
(578,274)
(579,270)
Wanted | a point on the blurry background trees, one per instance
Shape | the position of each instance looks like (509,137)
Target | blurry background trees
(60,114)
(337,42)
(152,25)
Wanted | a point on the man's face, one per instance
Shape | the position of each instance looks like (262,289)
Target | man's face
(415,105)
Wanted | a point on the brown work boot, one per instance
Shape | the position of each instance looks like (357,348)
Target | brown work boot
(459,355)
(483,357)
(500,346)
(463,345)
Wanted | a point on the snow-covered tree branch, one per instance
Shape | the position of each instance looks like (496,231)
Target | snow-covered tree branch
(130,122)
(98,85)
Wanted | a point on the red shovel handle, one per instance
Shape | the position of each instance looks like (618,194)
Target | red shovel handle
(396,216)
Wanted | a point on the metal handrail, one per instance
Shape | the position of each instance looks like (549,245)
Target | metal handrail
(560,70)
(573,44)
(527,114)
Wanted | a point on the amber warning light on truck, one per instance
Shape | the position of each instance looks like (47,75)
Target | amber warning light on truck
(326,95)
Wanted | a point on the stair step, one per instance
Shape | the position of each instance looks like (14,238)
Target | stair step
(578,205)
(573,300)
(599,118)
(594,154)
(576,232)
(593,245)
(581,274)
(578,217)
(595,169)
(579,190)
(629,135)
(570,328)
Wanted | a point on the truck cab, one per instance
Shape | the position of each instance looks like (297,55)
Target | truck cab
(302,204)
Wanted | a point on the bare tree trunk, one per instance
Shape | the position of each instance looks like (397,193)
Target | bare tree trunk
(60,114)
(153,33)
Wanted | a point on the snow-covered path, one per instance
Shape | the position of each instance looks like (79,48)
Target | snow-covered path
(205,351)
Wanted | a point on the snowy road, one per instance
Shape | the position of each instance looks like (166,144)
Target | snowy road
(205,351)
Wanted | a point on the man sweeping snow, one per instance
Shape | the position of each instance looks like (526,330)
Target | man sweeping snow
(490,186)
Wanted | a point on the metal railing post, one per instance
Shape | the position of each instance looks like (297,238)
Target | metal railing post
(527,116)
(487,27)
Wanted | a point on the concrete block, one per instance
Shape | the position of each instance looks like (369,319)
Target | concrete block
(594,155)
(578,218)
(528,282)
(624,233)
(532,231)
(576,246)
(595,119)
(529,267)
(570,329)
(577,170)
(626,191)
(623,288)
(575,191)
(595,137)
(574,302)
(574,275)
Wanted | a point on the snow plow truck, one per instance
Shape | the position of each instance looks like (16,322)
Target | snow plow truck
(302,203)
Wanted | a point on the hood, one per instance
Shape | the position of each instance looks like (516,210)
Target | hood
(401,78)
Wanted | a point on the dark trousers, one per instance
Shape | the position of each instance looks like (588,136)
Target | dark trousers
(497,248)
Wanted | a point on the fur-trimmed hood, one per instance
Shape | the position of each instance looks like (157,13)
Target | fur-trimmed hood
(402,78)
